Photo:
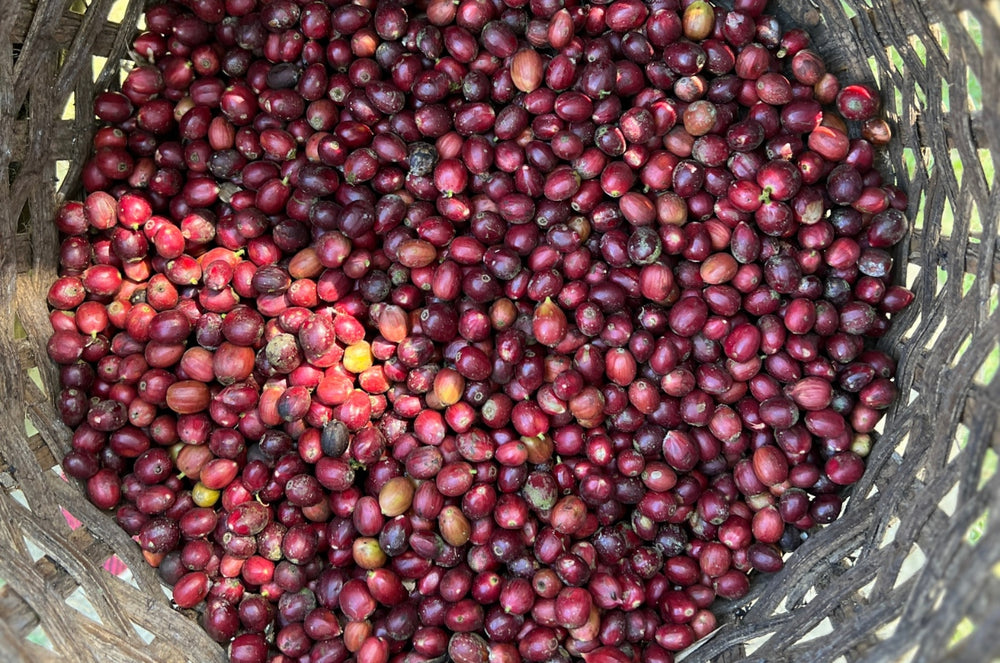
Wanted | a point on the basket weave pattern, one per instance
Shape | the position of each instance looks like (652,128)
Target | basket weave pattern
(910,572)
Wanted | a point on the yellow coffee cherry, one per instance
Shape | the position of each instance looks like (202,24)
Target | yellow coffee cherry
(203,496)
(358,357)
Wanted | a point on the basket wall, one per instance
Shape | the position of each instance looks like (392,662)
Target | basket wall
(910,572)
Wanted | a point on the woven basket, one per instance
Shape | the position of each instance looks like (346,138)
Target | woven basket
(910,572)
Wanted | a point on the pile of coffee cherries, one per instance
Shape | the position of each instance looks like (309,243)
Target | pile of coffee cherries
(502,330)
